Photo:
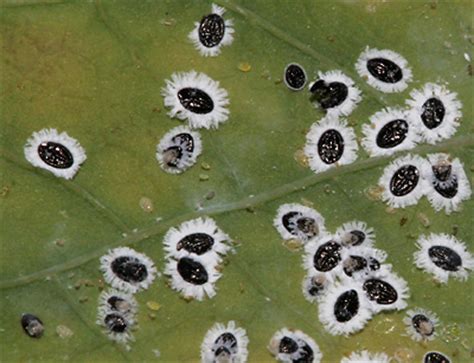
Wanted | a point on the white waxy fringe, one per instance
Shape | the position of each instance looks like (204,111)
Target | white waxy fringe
(377,123)
(52,135)
(190,290)
(366,357)
(353,92)
(124,337)
(312,247)
(170,140)
(390,277)
(458,175)
(345,236)
(315,285)
(372,256)
(371,53)
(226,40)
(414,195)
(415,333)
(116,281)
(239,353)
(302,212)
(201,81)
(204,225)
(425,262)
(452,109)
(327,310)
(311,149)
(301,339)
(125,303)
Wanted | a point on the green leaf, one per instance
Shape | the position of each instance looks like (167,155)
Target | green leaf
(95,69)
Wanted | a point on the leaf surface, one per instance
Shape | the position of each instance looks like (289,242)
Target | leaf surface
(95,70)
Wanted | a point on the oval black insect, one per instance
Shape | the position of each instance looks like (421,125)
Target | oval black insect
(32,325)
(192,271)
(449,191)
(56,155)
(115,322)
(331,146)
(353,264)
(445,258)
(305,353)
(380,291)
(433,113)
(195,100)
(327,256)
(404,180)
(129,269)
(422,324)
(211,30)
(346,306)
(184,140)
(295,77)
(435,357)
(329,95)
(392,134)
(384,70)
(287,345)
(226,343)
(197,243)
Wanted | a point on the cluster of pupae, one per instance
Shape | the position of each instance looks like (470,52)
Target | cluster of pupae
(432,115)
(346,275)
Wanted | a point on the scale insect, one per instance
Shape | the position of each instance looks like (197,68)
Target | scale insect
(290,346)
(402,181)
(225,343)
(335,93)
(323,255)
(212,33)
(355,233)
(197,98)
(435,111)
(127,270)
(178,149)
(389,131)
(443,256)
(56,152)
(448,185)
(118,301)
(294,220)
(117,326)
(421,324)
(344,309)
(294,77)
(193,276)
(384,290)
(198,237)
(385,70)
(330,143)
